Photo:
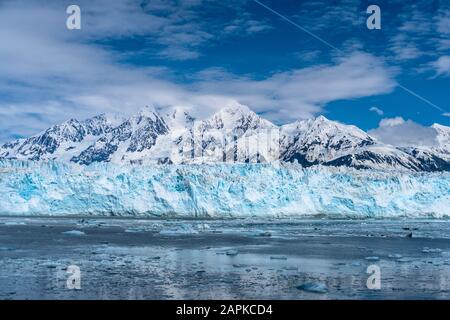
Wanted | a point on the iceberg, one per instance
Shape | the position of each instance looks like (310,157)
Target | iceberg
(219,191)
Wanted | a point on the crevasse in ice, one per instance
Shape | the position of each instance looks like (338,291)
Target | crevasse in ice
(218,191)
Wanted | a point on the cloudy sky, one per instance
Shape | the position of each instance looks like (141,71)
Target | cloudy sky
(204,54)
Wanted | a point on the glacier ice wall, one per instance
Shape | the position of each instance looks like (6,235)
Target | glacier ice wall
(219,190)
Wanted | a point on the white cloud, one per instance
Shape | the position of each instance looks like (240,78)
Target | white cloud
(442,66)
(378,111)
(404,133)
(404,47)
(391,122)
(51,73)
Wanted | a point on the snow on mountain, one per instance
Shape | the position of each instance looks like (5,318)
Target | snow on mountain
(443,140)
(233,134)
(230,135)
(320,140)
(179,119)
(61,141)
(127,142)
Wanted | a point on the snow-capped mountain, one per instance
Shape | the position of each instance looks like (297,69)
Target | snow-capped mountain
(136,136)
(62,141)
(233,134)
(443,141)
(320,140)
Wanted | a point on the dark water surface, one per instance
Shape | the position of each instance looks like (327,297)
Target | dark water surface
(231,259)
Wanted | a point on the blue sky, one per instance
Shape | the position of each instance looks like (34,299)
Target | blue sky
(204,54)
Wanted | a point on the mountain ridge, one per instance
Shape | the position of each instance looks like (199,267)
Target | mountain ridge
(233,134)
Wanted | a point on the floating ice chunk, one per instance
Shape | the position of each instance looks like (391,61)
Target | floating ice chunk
(202,226)
(404,260)
(315,287)
(430,250)
(74,233)
(14,223)
(356,264)
(261,233)
(50,265)
(395,256)
(289,268)
(232,253)
(373,258)
(237,265)
(179,230)
(278,258)
(135,229)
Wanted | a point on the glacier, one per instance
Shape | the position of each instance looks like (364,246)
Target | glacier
(218,191)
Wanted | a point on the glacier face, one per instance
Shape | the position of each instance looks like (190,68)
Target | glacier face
(218,191)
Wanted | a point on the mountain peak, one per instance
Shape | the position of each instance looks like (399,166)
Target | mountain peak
(148,112)
(149,136)
(236,108)
(237,116)
(440,127)
(179,118)
(322,118)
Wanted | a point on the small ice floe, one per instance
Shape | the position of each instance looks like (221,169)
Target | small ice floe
(232,253)
(288,268)
(404,260)
(373,258)
(179,230)
(135,229)
(238,265)
(202,226)
(356,264)
(260,233)
(50,265)
(430,250)
(315,287)
(278,258)
(74,233)
(395,256)
(14,223)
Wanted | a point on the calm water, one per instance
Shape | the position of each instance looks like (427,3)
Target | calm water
(238,259)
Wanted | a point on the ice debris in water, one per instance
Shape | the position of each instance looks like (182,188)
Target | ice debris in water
(179,230)
(219,190)
(430,250)
(315,287)
(395,256)
(278,258)
(74,233)
(14,223)
(373,258)
(404,260)
(135,229)
(232,253)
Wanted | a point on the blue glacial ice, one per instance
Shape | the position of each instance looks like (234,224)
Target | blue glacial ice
(219,191)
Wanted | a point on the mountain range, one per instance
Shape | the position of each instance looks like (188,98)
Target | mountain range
(233,134)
